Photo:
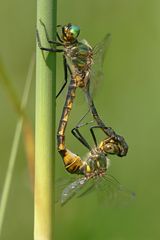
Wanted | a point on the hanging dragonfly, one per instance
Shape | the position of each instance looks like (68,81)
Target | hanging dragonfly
(78,59)
(94,169)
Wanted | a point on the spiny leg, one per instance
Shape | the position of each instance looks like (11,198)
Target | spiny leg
(53,50)
(59,38)
(44,48)
(93,135)
(76,133)
(47,36)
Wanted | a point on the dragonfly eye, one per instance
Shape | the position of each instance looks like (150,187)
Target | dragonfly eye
(70,32)
(111,148)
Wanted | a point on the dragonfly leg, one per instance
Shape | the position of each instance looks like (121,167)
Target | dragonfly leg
(59,38)
(75,131)
(65,76)
(44,48)
(47,35)
(94,136)
(79,124)
(78,135)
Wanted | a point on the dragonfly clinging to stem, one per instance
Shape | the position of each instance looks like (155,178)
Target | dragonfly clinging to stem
(78,59)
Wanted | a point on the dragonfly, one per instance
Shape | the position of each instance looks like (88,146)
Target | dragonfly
(78,60)
(94,168)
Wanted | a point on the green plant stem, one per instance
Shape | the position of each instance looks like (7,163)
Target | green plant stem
(14,149)
(45,125)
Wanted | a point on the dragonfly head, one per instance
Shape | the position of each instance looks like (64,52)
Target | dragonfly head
(70,32)
(110,146)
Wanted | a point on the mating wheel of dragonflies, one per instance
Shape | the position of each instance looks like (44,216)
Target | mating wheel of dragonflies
(84,64)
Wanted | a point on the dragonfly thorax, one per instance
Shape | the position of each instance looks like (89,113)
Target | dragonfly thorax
(96,163)
(79,56)
(79,60)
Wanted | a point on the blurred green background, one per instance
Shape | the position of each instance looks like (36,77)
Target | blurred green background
(127,99)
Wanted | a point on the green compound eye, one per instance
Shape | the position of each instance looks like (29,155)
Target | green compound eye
(75,30)
(70,32)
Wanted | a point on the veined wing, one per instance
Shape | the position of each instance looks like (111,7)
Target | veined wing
(72,189)
(112,193)
(61,184)
(67,188)
(99,53)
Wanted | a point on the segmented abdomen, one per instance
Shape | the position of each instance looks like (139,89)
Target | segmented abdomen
(72,162)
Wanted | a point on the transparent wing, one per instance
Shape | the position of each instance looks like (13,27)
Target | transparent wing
(109,191)
(72,189)
(61,184)
(112,193)
(66,189)
(99,53)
